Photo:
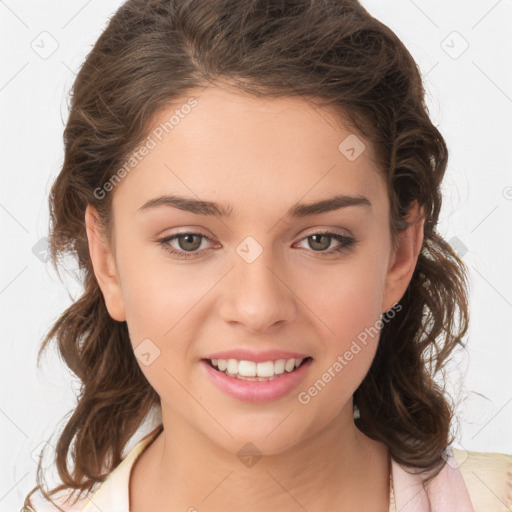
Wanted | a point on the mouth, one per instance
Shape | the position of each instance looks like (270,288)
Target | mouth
(256,372)
(257,382)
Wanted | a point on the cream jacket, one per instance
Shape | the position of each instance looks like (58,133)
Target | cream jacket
(469,482)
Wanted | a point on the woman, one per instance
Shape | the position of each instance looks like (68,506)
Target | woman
(252,189)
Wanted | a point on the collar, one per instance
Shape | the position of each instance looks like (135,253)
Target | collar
(447,492)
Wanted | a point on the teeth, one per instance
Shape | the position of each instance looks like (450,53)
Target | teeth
(259,371)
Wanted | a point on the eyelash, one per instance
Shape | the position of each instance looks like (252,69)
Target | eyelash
(346,244)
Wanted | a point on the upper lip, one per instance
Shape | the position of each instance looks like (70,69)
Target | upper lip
(241,354)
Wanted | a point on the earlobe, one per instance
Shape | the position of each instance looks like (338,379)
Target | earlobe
(104,266)
(404,259)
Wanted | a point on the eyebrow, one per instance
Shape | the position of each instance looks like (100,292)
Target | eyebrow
(199,207)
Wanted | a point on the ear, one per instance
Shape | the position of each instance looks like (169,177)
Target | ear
(404,257)
(104,265)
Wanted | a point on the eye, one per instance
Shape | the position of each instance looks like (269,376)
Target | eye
(188,243)
(321,240)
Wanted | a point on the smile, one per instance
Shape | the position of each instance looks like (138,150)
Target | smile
(268,380)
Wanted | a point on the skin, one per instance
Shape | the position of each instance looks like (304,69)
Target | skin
(260,156)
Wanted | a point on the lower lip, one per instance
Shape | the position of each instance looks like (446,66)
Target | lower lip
(258,391)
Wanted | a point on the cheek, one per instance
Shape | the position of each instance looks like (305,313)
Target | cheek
(346,304)
(156,293)
(347,299)
(164,307)
(158,302)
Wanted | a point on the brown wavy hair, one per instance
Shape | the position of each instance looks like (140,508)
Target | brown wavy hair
(328,52)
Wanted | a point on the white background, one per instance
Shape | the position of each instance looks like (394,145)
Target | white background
(469,98)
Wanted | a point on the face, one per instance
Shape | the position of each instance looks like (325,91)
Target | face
(263,277)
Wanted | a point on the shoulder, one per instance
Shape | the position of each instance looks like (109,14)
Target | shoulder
(114,489)
(488,478)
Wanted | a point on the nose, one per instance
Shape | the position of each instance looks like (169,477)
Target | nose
(258,294)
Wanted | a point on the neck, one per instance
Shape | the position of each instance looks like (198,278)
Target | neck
(184,470)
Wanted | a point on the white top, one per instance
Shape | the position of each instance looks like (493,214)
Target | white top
(469,482)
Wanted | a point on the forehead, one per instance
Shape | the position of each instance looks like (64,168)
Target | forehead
(231,146)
